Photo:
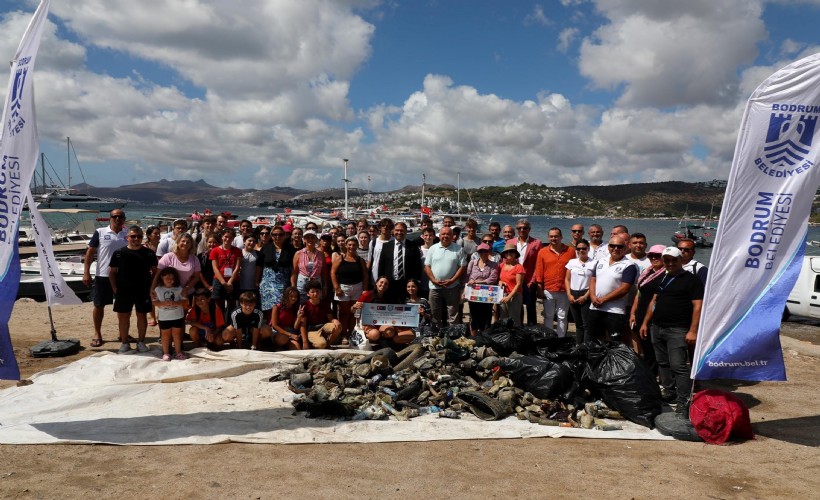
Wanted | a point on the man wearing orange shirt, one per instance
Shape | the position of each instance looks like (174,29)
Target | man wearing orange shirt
(550,274)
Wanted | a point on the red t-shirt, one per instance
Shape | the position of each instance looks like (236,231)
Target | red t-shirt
(316,314)
(508,275)
(226,259)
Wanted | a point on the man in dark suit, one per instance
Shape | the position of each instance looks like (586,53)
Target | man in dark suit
(399,261)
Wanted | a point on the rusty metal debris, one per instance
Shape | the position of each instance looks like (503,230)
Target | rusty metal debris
(436,376)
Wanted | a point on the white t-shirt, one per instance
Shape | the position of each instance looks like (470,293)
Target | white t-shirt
(643,264)
(169,313)
(580,273)
(608,278)
(106,241)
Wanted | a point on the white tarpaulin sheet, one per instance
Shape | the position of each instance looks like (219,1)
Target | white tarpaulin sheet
(215,398)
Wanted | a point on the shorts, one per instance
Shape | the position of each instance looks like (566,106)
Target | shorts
(171,323)
(351,293)
(220,292)
(101,291)
(123,303)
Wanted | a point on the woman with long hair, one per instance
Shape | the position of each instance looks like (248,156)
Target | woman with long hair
(152,237)
(349,277)
(376,333)
(276,260)
(286,317)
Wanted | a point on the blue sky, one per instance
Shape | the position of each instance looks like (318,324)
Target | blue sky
(252,93)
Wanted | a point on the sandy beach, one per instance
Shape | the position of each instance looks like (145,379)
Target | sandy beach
(783,461)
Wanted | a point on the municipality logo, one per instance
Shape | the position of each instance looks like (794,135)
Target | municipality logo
(788,140)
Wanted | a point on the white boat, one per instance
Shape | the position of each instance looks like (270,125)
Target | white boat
(31,279)
(55,197)
(61,198)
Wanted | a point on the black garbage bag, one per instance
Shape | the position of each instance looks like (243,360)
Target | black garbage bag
(505,338)
(624,382)
(563,350)
(545,379)
(455,331)
(556,348)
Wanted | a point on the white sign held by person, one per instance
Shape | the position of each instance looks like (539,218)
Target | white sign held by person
(19,147)
(760,242)
(490,294)
(404,315)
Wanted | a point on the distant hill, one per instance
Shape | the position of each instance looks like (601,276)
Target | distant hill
(189,192)
(672,196)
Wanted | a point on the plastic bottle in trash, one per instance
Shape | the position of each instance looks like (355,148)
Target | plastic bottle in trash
(427,410)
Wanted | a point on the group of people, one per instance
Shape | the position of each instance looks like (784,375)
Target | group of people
(285,287)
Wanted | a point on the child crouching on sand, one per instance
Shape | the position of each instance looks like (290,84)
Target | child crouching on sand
(206,320)
(170,304)
(246,323)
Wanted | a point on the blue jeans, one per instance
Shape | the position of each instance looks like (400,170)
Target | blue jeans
(672,354)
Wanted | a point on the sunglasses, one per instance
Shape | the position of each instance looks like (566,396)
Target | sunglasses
(489,242)
(581,249)
(654,255)
(523,228)
(134,236)
(686,249)
(264,233)
(577,230)
(276,235)
(118,216)
(617,246)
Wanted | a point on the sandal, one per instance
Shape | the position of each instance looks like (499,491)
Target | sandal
(97,342)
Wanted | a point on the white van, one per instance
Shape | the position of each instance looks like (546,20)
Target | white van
(804,299)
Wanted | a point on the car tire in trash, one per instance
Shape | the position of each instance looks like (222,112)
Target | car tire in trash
(387,352)
(482,405)
(677,426)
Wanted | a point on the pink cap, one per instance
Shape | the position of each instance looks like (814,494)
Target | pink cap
(658,249)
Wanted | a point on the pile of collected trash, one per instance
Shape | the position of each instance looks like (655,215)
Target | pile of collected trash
(524,371)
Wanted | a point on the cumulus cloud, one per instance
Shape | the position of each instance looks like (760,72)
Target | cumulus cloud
(274,107)
(671,54)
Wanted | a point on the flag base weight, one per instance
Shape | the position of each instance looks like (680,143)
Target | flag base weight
(55,348)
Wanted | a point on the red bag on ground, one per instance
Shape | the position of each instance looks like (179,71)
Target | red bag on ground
(717,415)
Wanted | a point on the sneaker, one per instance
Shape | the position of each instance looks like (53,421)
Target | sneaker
(166,357)
(141,347)
(125,348)
(181,356)
(668,397)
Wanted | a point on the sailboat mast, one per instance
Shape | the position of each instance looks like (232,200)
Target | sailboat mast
(68,159)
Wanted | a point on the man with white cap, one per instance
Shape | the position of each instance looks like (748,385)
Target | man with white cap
(674,316)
